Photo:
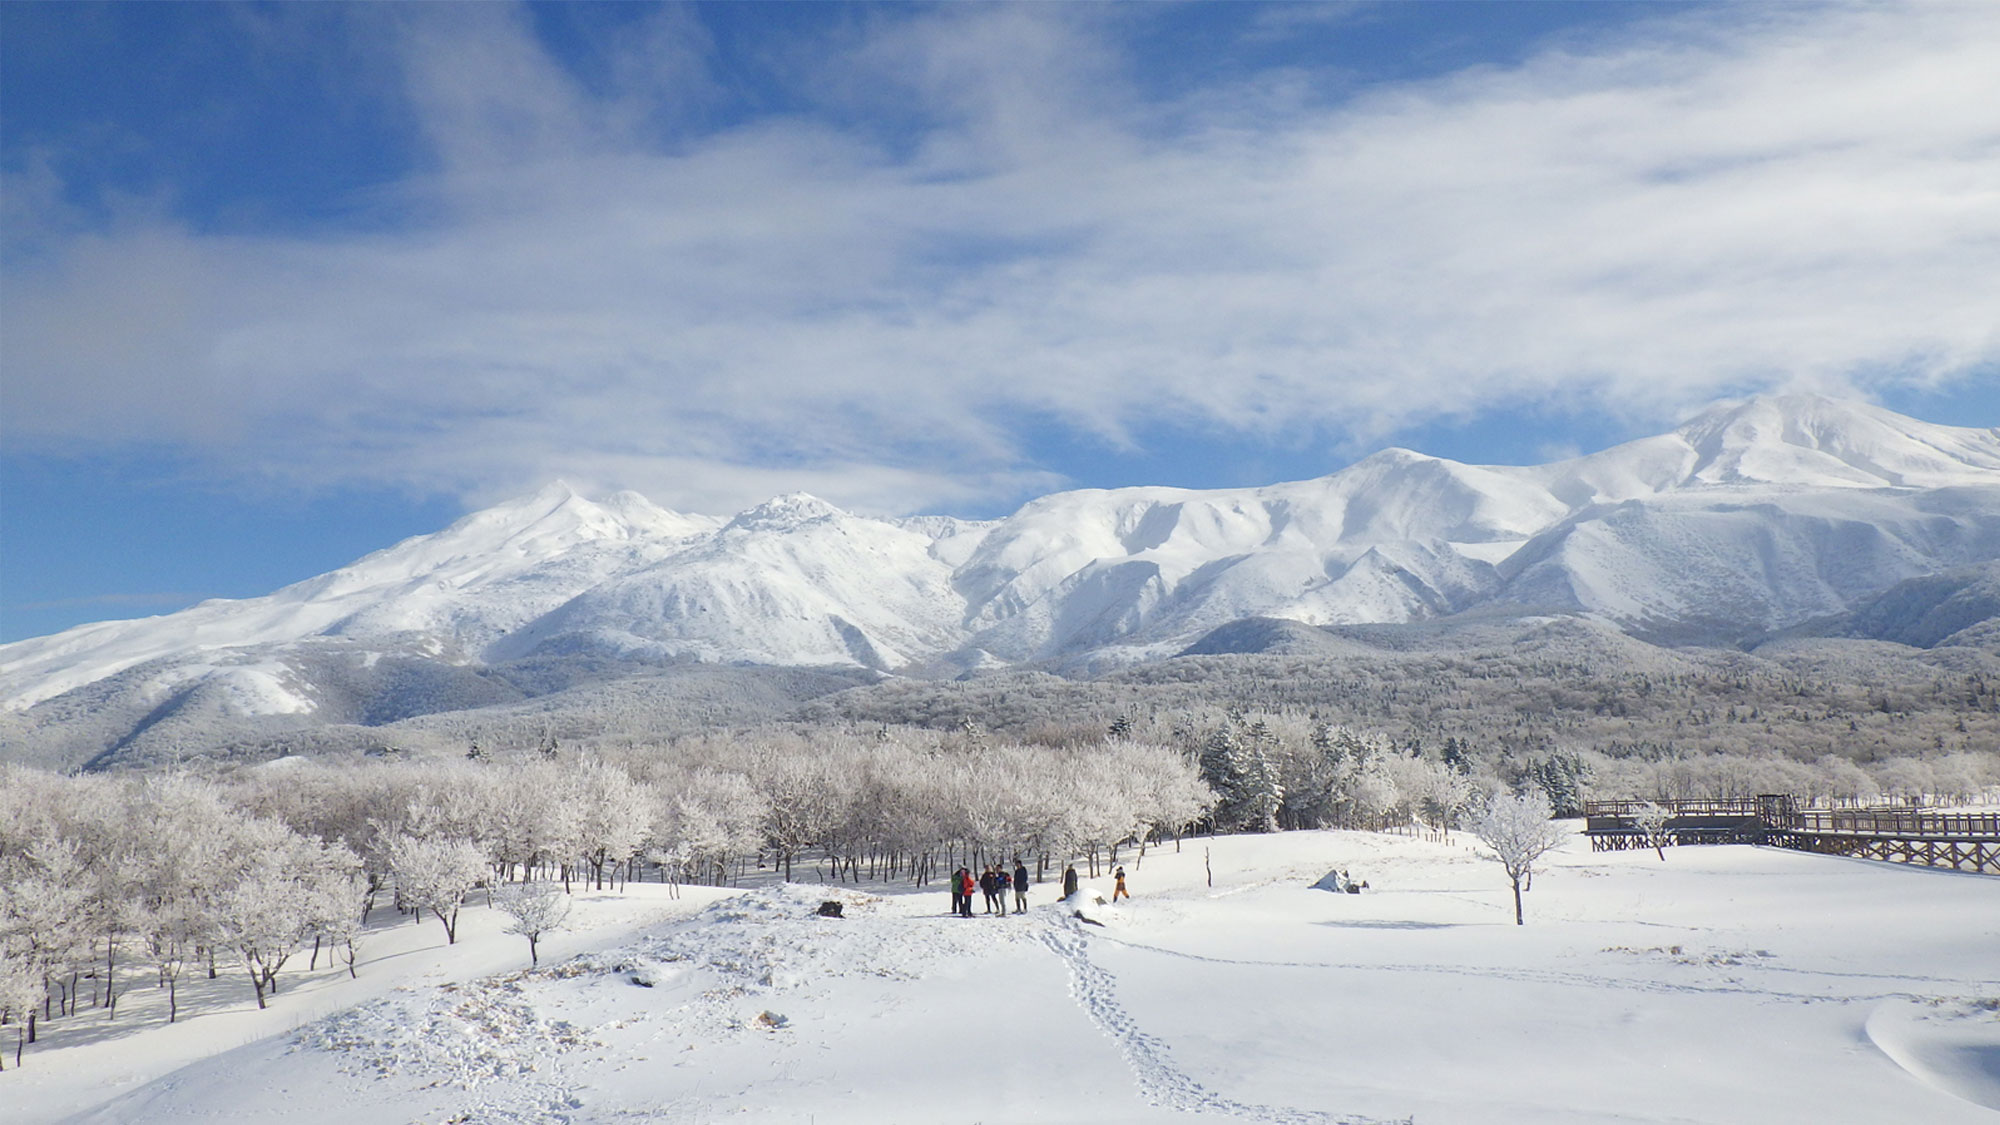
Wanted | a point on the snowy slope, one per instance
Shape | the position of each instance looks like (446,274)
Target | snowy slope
(792,581)
(1724,984)
(1751,517)
(449,593)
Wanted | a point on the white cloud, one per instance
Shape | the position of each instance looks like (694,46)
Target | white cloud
(1723,202)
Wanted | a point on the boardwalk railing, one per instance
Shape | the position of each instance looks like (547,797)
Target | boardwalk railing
(1895,822)
(1961,841)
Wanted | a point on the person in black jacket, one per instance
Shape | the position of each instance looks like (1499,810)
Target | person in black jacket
(1069,881)
(1020,886)
(989,884)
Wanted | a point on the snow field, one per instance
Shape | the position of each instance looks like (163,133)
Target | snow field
(1723,985)
(84,1061)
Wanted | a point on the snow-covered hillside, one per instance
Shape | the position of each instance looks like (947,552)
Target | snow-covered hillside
(1753,517)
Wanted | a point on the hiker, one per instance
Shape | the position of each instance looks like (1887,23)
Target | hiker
(957,882)
(964,878)
(1020,886)
(1069,881)
(1119,891)
(990,886)
(1001,881)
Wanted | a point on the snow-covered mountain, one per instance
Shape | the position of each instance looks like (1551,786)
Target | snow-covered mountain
(1752,517)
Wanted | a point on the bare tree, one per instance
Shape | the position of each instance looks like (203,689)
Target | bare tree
(1520,832)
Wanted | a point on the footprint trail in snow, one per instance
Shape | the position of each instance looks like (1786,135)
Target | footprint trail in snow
(1160,1080)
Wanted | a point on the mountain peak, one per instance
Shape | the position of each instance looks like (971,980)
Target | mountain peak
(1812,439)
(782,513)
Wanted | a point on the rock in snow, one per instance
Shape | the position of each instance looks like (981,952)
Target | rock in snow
(1753,517)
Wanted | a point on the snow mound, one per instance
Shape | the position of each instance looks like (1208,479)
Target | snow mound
(458,1034)
(774,939)
(1089,904)
(1950,1047)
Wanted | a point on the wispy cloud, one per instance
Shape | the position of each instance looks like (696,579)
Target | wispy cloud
(1720,202)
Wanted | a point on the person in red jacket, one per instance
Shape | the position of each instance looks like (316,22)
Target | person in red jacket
(965,888)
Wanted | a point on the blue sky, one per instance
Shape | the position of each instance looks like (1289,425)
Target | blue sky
(285,283)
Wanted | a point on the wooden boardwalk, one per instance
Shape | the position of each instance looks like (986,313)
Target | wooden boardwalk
(1959,841)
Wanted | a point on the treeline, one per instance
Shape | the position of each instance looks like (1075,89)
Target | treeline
(1516,688)
(1289,769)
(1861,701)
(244,871)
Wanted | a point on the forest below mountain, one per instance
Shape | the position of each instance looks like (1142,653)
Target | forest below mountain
(1798,715)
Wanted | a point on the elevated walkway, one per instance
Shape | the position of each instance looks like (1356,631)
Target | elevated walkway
(1959,841)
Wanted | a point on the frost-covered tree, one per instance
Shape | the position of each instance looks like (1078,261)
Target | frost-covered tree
(614,815)
(1651,820)
(1561,776)
(281,889)
(1434,791)
(194,845)
(536,909)
(21,990)
(535,818)
(436,875)
(1520,831)
(704,820)
(805,796)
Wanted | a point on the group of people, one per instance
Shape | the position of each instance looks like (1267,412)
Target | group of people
(996,881)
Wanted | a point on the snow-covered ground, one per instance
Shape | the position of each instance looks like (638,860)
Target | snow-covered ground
(1726,984)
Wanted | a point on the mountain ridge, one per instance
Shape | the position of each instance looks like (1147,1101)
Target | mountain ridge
(1750,518)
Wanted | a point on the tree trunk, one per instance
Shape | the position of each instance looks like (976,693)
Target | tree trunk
(1517,902)
(257,983)
(110,979)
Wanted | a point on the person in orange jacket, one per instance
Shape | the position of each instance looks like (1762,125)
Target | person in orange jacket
(966,885)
